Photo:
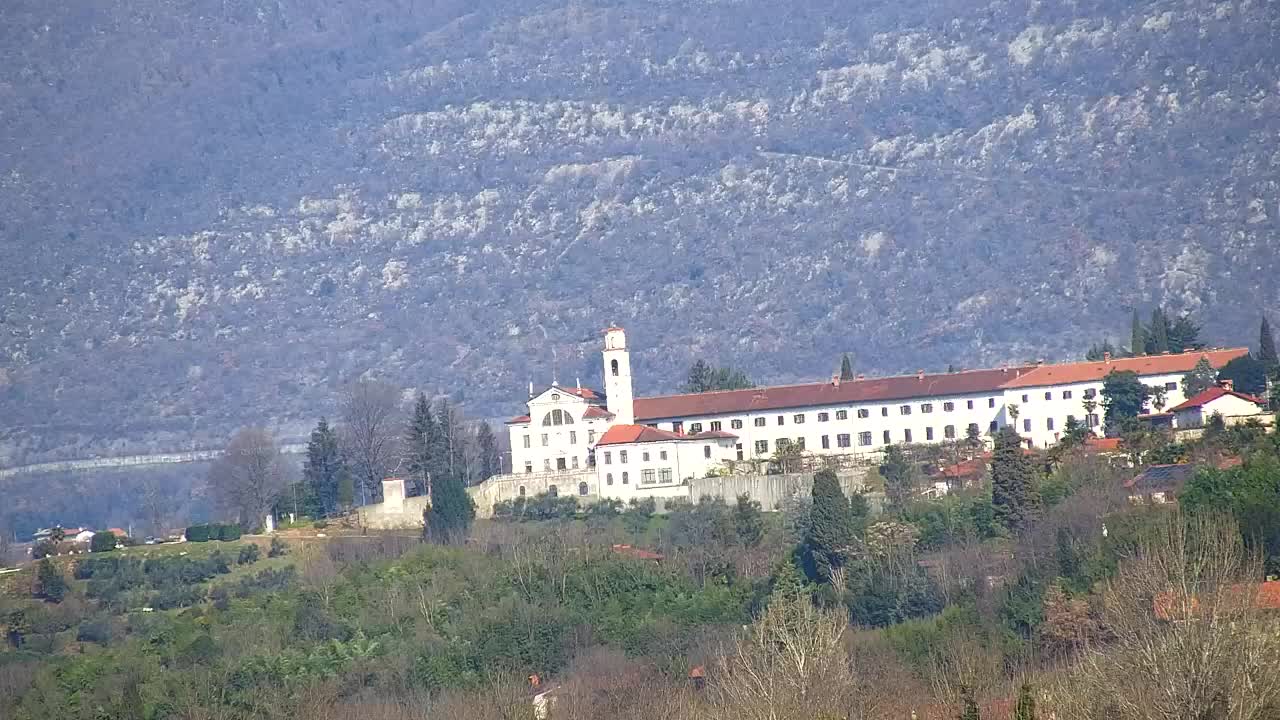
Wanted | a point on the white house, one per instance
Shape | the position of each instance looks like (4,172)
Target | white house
(564,430)
(1222,400)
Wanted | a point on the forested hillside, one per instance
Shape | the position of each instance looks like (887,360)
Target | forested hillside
(214,212)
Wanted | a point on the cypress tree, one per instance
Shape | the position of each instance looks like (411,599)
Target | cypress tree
(1158,333)
(420,435)
(451,511)
(846,367)
(490,459)
(1267,348)
(700,378)
(1013,492)
(1138,339)
(323,469)
(829,540)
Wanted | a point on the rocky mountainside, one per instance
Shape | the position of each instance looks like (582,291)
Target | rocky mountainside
(215,212)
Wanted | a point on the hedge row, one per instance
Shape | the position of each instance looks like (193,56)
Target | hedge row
(213,531)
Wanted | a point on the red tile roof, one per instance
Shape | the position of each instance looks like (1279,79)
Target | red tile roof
(596,411)
(1076,372)
(1095,443)
(628,434)
(970,382)
(518,420)
(584,393)
(1212,394)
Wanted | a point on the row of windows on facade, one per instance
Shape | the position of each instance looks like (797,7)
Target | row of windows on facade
(647,477)
(645,455)
(573,438)
(561,464)
(553,491)
(863,413)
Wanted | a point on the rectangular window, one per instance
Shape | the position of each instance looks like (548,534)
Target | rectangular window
(760,422)
(546,440)
(949,432)
(1048,395)
(973,428)
(884,412)
(644,456)
(625,477)
(968,404)
(1066,394)
(715,426)
(864,438)
(906,436)
(735,424)
(798,419)
(1026,398)
(526,441)
(574,462)
(1171,386)
(695,428)
(782,419)
(1049,423)
(887,439)
(677,428)
(546,464)
(842,440)
(993,426)
(560,464)
(823,417)
(608,478)
(844,414)
(762,447)
(648,477)
(591,437)
(608,458)
(664,475)
(826,442)
(1026,424)
(948,406)
(863,413)
(991,402)
(706,451)
(528,467)
(1092,420)
(738,449)
(782,444)
(573,437)
(622,456)
(662,454)
(904,410)
(1090,393)
(928,433)
(800,443)
(926,408)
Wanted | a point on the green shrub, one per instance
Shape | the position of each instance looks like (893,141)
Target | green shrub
(104,541)
(249,554)
(278,548)
(321,524)
(97,630)
(198,533)
(228,533)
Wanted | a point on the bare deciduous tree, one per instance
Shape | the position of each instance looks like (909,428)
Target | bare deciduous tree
(371,421)
(1189,638)
(246,479)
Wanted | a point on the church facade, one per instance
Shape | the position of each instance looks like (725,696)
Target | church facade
(653,446)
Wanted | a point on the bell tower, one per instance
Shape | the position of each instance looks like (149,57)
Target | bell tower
(617,376)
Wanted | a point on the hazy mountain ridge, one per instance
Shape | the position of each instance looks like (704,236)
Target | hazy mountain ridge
(428,193)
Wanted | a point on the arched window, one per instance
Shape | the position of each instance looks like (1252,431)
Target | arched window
(521,491)
(582,488)
(553,491)
(613,367)
(557,417)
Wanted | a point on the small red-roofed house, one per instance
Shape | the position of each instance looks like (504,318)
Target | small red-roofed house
(1223,400)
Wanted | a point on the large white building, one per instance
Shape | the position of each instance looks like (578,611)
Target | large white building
(641,447)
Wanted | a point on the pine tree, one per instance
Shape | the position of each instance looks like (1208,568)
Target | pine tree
(451,511)
(1201,378)
(1267,348)
(1184,335)
(419,441)
(846,368)
(50,584)
(700,377)
(323,469)
(829,540)
(898,476)
(1013,492)
(788,582)
(1158,333)
(1138,339)
(748,521)
(490,459)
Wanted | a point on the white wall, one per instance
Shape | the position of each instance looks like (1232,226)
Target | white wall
(570,444)
(682,459)
(1035,411)
(1227,406)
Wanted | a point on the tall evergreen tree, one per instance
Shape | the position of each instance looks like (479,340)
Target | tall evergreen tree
(1123,397)
(1158,333)
(50,584)
(1013,491)
(700,377)
(1267,348)
(451,511)
(1184,335)
(828,543)
(1201,378)
(705,378)
(898,476)
(846,367)
(490,459)
(1247,375)
(323,470)
(1138,338)
(420,441)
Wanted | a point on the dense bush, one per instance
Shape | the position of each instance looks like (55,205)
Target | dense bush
(104,541)
(99,629)
(542,506)
(279,548)
(214,531)
(249,554)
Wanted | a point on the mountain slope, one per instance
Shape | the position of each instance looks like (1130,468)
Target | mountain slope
(218,212)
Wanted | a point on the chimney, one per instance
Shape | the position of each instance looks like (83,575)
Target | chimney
(578,382)
(530,388)
(1039,362)
(861,376)
(1106,358)
(1227,384)
(1166,352)
(835,380)
(920,375)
